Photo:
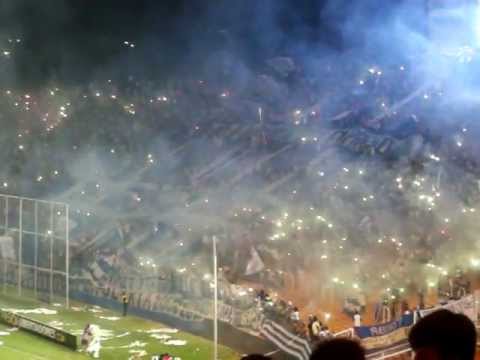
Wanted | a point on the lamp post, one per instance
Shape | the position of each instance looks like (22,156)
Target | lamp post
(215,300)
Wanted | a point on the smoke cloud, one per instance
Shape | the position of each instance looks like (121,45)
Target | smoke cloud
(335,137)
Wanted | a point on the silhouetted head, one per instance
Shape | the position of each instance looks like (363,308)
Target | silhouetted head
(256,357)
(443,335)
(338,349)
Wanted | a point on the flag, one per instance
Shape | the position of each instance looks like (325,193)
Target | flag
(255,264)
(7,250)
(97,272)
(285,340)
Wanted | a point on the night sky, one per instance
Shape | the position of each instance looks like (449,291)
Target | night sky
(70,41)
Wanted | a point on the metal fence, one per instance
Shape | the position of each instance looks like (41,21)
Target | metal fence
(34,247)
(401,351)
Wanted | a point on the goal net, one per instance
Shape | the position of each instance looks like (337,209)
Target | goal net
(34,248)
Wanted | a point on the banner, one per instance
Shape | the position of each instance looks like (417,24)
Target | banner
(59,336)
(383,329)
(226,313)
(255,264)
(363,142)
(384,341)
(385,335)
(465,306)
(7,248)
(249,319)
(285,340)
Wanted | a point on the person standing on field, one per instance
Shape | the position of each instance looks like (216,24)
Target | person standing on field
(125,303)
(357,319)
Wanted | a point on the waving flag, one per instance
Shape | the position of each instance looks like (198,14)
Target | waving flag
(285,340)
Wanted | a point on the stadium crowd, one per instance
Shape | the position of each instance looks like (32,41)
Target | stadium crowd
(292,170)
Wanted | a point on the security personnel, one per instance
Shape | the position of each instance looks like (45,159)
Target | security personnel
(125,303)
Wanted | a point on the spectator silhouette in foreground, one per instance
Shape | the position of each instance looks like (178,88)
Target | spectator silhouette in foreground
(443,335)
(256,357)
(337,349)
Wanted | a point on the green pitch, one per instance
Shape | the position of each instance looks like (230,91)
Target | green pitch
(125,338)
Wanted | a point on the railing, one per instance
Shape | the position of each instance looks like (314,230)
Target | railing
(347,333)
(390,352)
(393,355)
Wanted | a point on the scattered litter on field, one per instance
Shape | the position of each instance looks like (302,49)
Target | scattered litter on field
(55,323)
(136,354)
(95,310)
(123,335)
(76,308)
(176,342)
(1,343)
(111,318)
(162,330)
(40,311)
(167,339)
(4,333)
(132,345)
(137,344)
(160,336)
(57,305)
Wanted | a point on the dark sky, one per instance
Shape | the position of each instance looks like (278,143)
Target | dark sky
(70,40)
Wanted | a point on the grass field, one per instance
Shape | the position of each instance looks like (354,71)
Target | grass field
(123,337)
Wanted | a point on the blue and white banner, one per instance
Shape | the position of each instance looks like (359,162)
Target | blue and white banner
(383,329)
(383,336)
